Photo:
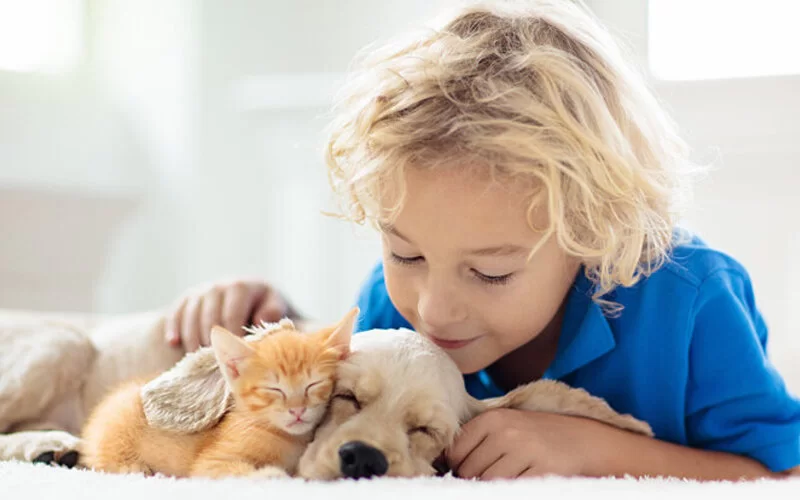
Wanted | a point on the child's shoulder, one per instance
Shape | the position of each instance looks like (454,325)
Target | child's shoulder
(695,263)
(701,294)
(696,276)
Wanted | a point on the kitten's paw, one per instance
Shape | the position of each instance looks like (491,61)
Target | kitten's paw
(269,472)
(52,447)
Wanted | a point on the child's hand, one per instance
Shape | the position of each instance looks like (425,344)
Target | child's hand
(507,443)
(231,305)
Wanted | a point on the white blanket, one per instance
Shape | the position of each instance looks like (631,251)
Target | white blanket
(27,481)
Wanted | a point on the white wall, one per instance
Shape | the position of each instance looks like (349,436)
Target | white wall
(201,178)
(194,128)
(266,76)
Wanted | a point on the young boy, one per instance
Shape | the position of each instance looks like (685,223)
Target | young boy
(525,183)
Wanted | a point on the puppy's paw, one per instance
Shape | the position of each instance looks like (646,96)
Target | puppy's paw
(269,472)
(52,447)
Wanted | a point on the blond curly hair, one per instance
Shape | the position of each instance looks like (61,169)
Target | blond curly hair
(534,93)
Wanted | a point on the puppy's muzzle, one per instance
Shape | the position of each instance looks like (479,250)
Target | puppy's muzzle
(359,460)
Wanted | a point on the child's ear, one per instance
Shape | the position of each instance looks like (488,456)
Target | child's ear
(340,337)
(231,351)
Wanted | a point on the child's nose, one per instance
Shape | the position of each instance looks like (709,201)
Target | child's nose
(439,307)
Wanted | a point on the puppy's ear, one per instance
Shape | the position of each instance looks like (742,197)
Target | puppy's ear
(190,397)
(473,408)
(550,396)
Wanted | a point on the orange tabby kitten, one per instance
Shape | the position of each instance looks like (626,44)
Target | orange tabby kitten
(281,385)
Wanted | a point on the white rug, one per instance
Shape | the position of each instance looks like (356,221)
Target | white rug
(27,481)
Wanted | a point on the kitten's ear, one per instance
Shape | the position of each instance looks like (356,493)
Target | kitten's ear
(340,337)
(231,352)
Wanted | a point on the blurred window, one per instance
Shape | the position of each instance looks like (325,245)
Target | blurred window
(41,36)
(715,39)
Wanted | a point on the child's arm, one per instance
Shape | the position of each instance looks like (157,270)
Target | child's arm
(516,443)
(623,453)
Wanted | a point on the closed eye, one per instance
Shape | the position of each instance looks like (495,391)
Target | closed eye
(312,385)
(493,280)
(275,390)
(406,261)
(422,429)
(349,397)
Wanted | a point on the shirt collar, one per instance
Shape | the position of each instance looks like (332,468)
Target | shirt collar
(585,332)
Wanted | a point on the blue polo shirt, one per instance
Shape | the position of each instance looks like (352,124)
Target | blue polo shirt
(687,354)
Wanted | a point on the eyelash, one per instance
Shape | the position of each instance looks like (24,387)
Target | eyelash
(489,280)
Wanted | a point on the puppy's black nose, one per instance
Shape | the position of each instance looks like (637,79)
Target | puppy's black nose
(358,460)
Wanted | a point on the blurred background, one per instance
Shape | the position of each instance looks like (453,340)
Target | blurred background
(148,146)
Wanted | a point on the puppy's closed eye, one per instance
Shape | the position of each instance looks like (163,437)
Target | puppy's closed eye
(427,433)
(349,397)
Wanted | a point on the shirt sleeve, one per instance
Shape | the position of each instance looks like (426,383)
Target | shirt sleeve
(736,401)
(376,308)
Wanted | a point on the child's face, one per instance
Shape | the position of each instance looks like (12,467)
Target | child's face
(456,266)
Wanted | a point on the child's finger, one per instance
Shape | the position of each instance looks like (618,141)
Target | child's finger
(236,305)
(487,453)
(507,467)
(270,310)
(531,471)
(172,326)
(210,314)
(190,324)
(472,434)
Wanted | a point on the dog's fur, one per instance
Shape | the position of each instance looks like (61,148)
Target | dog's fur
(57,367)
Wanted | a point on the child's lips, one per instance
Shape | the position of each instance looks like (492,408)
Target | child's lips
(452,344)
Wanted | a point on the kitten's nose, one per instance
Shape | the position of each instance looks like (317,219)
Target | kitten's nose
(359,460)
(297,412)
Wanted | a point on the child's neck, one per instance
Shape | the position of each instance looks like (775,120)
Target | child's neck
(530,361)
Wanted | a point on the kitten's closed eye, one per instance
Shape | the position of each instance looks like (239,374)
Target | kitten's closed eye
(349,397)
(310,386)
(275,390)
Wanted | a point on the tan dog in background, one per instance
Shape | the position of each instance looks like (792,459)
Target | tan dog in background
(55,367)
